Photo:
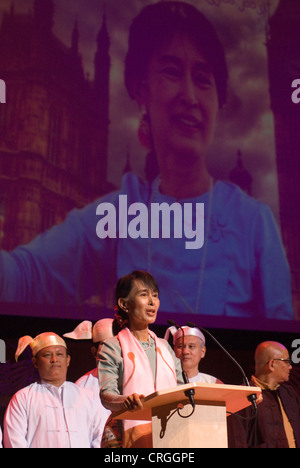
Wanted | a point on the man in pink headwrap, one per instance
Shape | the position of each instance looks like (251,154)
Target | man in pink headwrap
(51,413)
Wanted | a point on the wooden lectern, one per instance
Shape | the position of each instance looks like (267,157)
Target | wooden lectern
(205,428)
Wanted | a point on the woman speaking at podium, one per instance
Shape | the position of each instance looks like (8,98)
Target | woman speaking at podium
(136,363)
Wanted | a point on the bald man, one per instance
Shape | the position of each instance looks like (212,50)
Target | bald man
(277,424)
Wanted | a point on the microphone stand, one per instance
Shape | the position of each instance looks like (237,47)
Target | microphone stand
(191,391)
(251,398)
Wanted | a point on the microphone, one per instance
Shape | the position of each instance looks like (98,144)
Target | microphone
(191,391)
(251,398)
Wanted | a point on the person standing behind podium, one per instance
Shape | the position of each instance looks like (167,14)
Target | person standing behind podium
(136,362)
(277,424)
(191,349)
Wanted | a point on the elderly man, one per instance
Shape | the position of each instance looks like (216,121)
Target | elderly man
(277,424)
(52,413)
(190,349)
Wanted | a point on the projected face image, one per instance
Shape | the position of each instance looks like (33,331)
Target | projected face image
(125,158)
(181,100)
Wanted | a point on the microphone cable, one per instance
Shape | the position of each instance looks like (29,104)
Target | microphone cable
(251,398)
(191,391)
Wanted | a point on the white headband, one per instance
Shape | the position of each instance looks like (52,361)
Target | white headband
(177,333)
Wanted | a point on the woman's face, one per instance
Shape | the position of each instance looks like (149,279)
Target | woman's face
(180,97)
(142,305)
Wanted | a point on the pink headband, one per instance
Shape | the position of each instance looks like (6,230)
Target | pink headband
(39,342)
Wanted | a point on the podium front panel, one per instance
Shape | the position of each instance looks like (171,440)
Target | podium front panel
(205,428)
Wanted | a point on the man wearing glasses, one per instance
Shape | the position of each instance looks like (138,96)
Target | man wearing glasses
(277,423)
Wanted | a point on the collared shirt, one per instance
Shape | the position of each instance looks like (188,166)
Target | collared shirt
(204,378)
(44,416)
(263,385)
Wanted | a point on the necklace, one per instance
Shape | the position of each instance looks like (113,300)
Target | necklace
(148,344)
(152,198)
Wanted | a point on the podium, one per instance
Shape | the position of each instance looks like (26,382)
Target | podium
(174,425)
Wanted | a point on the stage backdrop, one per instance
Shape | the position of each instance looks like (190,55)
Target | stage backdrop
(69,141)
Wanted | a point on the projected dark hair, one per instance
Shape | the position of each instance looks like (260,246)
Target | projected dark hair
(156,24)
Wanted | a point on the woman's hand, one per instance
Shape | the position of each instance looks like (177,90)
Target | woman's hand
(133,402)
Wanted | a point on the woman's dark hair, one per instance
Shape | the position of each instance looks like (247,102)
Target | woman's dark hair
(125,285)
(160,21)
